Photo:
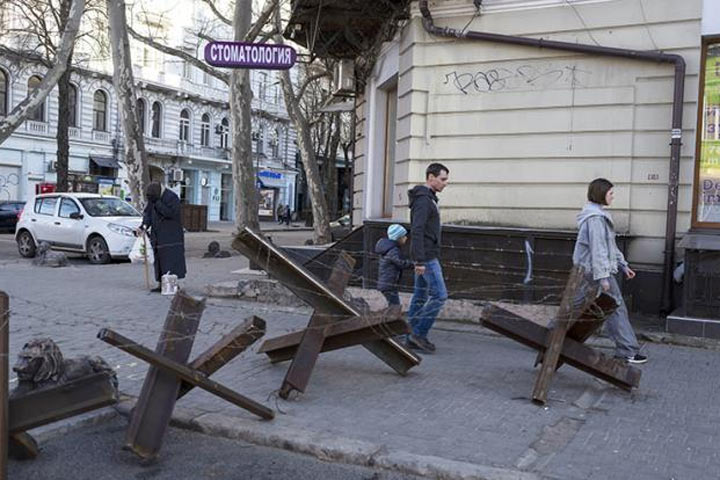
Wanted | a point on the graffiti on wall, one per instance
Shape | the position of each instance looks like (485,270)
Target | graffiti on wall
(7,181)
(523,77)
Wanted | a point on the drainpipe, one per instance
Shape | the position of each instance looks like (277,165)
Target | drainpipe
(677,113)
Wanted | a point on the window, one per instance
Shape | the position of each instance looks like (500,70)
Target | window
(260,140)
(224,129)
(37,115)
(262,85)
(108,207)
(185,125)
(141,113)
(205,130)
(156,119)
(68,207)
(72,105)
(275,143)
(46,205)
(706,202)
(100,111)
(389,160)
(3,93)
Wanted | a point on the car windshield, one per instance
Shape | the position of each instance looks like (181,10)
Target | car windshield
(108,207)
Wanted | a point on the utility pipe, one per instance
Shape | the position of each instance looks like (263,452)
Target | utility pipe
(641,55)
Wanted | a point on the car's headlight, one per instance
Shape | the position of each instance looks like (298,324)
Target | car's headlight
(122,230)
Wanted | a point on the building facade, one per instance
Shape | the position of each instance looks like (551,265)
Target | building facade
(184,114)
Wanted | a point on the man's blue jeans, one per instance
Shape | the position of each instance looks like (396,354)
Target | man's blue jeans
(428,298)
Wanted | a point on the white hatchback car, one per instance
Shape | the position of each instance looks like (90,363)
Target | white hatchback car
(100,226)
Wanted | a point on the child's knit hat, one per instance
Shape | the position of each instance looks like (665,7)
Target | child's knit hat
(396,231)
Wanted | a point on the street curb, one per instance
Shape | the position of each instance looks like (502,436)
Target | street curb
(332,448)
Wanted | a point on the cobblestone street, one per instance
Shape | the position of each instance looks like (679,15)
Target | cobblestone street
(469,402)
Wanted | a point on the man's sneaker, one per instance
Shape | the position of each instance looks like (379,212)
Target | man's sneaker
(419,343)
(637,359)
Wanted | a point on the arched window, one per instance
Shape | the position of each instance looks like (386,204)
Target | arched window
(72,105)
(224,129)
(100,111)
(3,92)
(156,119)
(38,114)
(205,130)
(185,125)
(141,113)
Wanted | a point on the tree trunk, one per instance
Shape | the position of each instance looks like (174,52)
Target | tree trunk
(135,156)
(20,113)
(331,182)
(63,125)
(244,175)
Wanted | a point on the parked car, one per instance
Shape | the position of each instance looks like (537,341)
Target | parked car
(99,226)
(9,214)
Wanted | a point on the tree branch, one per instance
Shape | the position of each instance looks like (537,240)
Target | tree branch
(256,29)
(222,76)
(309,80)
(217,13)
(20,113)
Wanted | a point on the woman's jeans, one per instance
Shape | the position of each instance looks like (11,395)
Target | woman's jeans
(617,324)
(428,299)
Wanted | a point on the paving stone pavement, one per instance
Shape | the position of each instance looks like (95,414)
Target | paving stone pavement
(468,402)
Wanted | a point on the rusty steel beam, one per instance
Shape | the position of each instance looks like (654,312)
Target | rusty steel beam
(66,400)
(573,353)
(307,353)
(227,348)
(4,380)
(340,334)
(183,372)
(155,404)
(309,289)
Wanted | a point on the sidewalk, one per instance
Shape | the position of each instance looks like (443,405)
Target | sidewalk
(463,413)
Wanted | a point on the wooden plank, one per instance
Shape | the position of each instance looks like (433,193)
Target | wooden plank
(155,404)
(50,405)
(227,348)
(573,353)
(183,372)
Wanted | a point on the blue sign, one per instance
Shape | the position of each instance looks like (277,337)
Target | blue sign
(269,174)
(250,55)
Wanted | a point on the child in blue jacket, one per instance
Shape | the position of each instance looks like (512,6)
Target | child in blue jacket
(391,262)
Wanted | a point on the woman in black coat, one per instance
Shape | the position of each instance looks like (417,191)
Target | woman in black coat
(162,220)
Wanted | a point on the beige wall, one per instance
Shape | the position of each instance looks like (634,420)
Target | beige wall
(522,146)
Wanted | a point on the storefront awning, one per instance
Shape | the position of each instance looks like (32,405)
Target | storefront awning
(104,162)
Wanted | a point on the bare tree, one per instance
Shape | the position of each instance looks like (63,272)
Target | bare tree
(135,156)
(246,196)
(59,65)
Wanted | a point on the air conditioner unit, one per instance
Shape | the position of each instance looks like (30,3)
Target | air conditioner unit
(177,175)
(345,78)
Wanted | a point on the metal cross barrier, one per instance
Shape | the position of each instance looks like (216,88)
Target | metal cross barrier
(563,342)
(334,324)
(169,377)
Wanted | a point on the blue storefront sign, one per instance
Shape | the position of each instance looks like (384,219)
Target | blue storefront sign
(250,55)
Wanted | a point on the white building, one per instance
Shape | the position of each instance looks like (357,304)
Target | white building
(185,116)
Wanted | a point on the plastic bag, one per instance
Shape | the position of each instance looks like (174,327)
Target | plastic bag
(141,250)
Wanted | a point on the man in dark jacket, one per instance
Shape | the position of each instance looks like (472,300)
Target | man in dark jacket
(391,262)
(430,293)
(162,220)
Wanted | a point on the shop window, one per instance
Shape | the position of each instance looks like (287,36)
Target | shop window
(706,203)
(38,114)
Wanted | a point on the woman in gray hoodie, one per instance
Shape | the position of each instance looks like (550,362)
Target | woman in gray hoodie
(597,253)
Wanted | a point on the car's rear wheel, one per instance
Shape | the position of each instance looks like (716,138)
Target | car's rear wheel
(26,244)
(97,251)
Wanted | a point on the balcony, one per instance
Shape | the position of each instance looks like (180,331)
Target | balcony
(100,136)
(40,128)
(181,148)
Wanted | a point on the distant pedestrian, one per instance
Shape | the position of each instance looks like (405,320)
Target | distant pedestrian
(161,219)
(280,214)
(288,214)
(597,253)
(391,262)
(430,293)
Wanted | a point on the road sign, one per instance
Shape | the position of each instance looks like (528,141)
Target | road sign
(250,55)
